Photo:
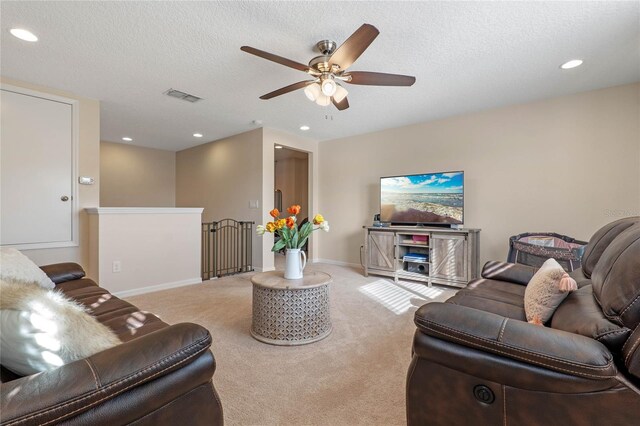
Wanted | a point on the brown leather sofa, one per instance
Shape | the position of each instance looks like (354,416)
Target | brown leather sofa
(160,375)
(477,361)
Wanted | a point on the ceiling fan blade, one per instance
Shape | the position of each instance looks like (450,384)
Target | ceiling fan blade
(344,104)
(351,49)
(287,89)
(275,58)
(379,79)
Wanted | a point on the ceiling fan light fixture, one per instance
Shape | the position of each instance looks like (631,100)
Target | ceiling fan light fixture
(312,91)
(328,86)
(323,100)
(340,93)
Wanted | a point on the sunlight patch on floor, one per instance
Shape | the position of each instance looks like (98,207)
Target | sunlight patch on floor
(393,297)
(422,290)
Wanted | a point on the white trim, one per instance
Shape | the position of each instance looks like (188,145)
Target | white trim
(152,288)
(37,246)
(258,269)
(75,162)
(336,262)
(144,210)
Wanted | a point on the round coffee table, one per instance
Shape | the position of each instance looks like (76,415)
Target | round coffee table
(290,312)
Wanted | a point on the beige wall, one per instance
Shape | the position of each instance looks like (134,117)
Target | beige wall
(157,248)
(88,165)
(292,178)
(300,143)
(133,176)
(568,165)
(223,176)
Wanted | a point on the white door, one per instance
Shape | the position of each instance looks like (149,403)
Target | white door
(36,170)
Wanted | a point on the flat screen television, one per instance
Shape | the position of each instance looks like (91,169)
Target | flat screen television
(430,198)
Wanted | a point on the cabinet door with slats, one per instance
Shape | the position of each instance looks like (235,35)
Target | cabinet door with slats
(449,257)
(381,250)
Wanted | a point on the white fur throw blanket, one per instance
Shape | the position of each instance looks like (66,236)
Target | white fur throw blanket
(42,329)
(16,267)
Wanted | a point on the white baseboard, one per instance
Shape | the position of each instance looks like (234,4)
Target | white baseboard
(257,269)
(152,288)
(337,262)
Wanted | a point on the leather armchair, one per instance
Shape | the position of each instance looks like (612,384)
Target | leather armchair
(476,359)
(161,374)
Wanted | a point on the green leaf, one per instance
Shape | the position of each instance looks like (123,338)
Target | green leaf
(279,245)
(294,240)
(302,242)
(306,230)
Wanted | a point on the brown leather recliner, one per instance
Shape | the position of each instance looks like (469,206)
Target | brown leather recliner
(477,361)
(160,374)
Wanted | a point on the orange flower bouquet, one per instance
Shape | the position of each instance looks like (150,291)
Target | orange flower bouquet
(286,227)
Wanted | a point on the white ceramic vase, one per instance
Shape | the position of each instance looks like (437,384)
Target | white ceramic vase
(295,261)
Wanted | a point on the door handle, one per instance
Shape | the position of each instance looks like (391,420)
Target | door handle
(64,198)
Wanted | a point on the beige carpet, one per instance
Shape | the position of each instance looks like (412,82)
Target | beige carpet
(356,376)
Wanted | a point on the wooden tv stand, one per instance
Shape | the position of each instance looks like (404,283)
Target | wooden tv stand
(452,255)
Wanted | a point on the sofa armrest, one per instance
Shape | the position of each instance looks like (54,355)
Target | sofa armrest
(61,393)
(511,272)
(62,272)
(533,344)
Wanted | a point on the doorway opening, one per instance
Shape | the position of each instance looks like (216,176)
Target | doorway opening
(291,181)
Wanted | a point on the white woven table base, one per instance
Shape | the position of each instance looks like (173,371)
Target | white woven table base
(291,317)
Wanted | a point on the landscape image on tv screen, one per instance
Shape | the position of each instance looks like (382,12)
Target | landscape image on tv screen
(427,198)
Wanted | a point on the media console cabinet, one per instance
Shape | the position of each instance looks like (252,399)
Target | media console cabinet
(427,254)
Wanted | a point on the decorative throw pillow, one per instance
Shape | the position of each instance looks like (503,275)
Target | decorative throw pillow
(16,267)
(42,329)
(546,290)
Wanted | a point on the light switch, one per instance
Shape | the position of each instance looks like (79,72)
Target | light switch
(86,180)
(253,204)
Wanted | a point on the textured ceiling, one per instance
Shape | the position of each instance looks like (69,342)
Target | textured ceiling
(466,57)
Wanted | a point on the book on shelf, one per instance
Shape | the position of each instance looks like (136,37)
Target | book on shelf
(415,257)
(414,242)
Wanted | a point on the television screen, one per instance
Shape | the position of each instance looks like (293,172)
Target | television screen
(428,198)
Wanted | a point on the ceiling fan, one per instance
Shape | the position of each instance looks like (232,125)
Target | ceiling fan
(330,68)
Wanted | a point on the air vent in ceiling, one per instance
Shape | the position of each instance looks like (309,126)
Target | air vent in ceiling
(182,95)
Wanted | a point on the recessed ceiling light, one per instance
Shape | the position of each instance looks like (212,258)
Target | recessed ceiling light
(571,64)
(23,34)
(278,147)
(127,139)
(197,135)
(304,128)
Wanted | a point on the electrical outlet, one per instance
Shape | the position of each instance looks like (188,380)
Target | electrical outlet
(253,204)
(116,266)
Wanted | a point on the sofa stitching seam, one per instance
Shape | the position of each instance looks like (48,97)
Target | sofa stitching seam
(606,276)
(504,405)
(629,340)
(93,372)
(137,421)
(504,325)
(215,395)
(631,351)
(595,243)
(630,305)
(109,396)
(532,361)
(197,343)
(591,367)
(606,333)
